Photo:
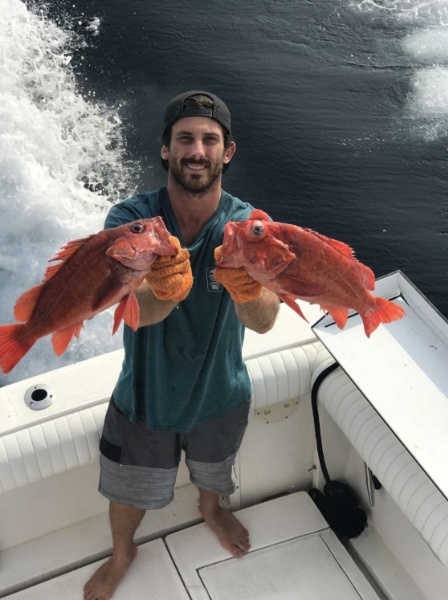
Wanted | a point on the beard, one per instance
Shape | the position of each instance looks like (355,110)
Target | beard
(200,183)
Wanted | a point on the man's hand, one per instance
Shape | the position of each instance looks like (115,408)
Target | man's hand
(170,277)
(241,287)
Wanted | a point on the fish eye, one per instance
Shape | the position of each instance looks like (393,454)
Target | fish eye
(137,228)
(258,229)
(255,231)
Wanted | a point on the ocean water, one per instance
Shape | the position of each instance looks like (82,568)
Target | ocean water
(340,114)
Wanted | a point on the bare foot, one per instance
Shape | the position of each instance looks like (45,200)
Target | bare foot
(233,536)
(104,582)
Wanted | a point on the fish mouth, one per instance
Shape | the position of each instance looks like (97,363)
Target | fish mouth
(140,262)
(135,259)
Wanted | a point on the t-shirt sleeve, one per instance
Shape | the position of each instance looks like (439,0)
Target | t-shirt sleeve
(136,207)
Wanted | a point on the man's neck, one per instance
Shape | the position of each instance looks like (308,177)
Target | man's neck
(192,211)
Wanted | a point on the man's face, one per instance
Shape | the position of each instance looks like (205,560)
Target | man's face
(196,153)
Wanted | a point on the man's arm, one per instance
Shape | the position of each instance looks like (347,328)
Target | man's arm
(259,314)
(255,306)
(152,310)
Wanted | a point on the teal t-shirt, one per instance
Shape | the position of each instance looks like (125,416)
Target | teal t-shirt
(189,367)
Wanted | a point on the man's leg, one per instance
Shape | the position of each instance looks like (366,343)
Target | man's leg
(211,449)
(124,521)
(232,535)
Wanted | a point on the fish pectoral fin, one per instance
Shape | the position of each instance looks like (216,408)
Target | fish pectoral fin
(289,300)
(339,314)
(300,288)
(129,311)
(61,339)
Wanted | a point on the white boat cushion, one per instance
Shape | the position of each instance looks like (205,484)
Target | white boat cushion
(70,441)
(401,476)
(50,447)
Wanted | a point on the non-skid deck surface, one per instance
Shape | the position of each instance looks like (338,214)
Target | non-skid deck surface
(152,575)
(294,555)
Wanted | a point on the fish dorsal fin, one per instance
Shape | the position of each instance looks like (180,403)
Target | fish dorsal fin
(341,247)
(70,248)
(369,276)
(24,306)
(259,215)
(63,255)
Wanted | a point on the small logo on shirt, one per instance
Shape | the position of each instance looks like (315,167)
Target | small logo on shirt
(212,284)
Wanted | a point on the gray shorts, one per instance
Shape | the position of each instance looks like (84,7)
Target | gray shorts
(139,465)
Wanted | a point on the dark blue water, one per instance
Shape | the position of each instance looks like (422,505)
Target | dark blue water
(320,96)
(340,114)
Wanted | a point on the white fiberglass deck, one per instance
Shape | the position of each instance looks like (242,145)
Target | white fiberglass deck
(294,555)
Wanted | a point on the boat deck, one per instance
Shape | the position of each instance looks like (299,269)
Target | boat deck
(294,554)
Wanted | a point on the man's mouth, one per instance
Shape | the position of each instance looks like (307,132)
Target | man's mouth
(194,165)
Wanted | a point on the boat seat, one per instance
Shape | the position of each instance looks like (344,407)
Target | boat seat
(50,447)
(72,440)
(290,373)
(388,459)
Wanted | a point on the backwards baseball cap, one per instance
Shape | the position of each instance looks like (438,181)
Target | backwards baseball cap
(176,109)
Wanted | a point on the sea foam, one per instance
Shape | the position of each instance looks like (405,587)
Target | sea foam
(62,162)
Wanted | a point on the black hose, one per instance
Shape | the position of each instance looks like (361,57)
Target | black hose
(314,391)
(338,503)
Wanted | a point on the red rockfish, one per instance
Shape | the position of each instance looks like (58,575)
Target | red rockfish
(93,274)
(294,262)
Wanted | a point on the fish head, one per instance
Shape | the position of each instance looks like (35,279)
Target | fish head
(256,245)
(137,244)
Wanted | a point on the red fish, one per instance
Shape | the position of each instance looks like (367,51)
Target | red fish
(93,274)
(294,262)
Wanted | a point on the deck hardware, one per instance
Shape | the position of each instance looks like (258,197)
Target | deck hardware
(276,412)
(39,396)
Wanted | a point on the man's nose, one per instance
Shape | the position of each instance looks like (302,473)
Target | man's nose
(198,149)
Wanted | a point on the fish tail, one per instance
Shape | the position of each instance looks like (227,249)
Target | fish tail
(384,312)
(13,346)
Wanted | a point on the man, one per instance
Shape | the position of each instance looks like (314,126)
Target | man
(183,383)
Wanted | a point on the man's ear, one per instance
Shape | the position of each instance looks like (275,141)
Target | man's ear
(230,151)
(164,152)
